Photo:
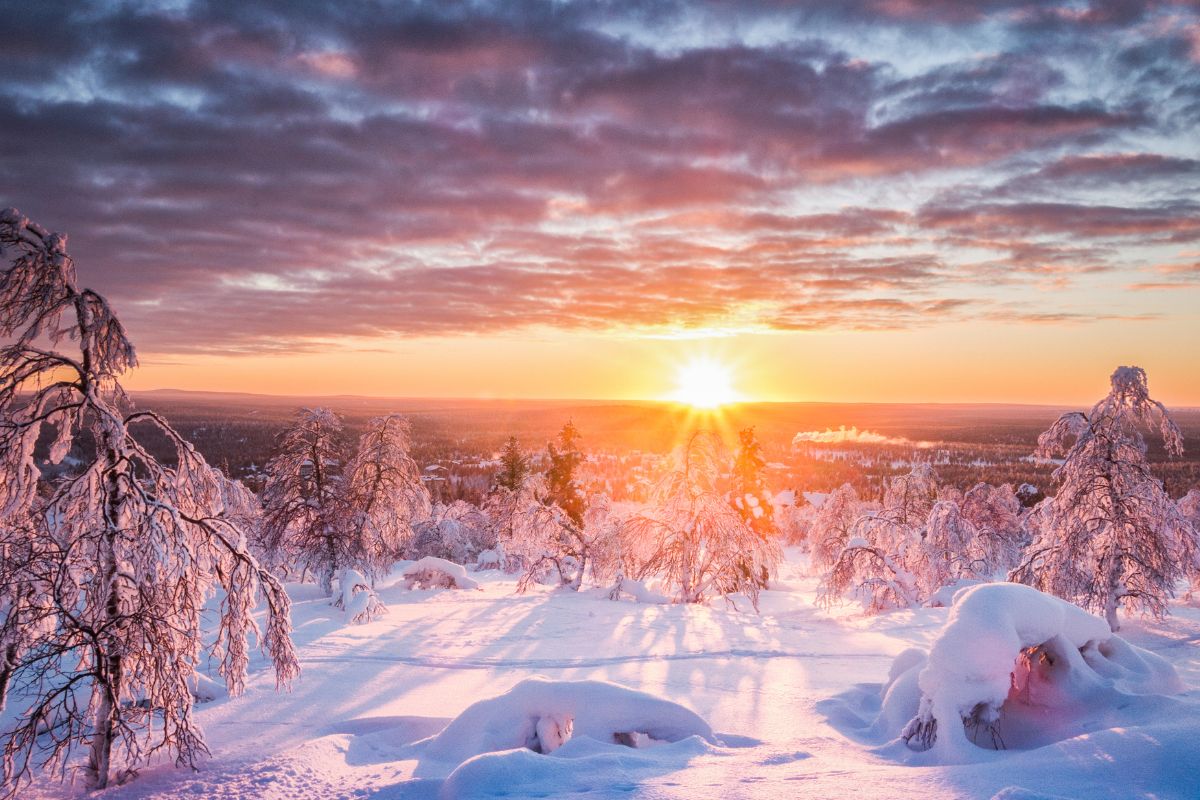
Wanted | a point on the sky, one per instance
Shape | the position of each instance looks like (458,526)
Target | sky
(850,200)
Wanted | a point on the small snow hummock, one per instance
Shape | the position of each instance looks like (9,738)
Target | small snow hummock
(1008,648)
(357,598)
(432,572)
(541,715)
(489,559)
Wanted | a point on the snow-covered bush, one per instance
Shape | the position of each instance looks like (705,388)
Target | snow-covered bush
(540,714)
(432,572)
(699,545)
(1008,648)
(456,532)
(1110,536)
(996,514)
(357,598)
(896,560)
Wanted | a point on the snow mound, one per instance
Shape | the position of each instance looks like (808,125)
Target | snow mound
(432,572)
(581,766)
(1015,667)
(542,715)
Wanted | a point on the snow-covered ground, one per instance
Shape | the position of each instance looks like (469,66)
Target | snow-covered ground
(790,695)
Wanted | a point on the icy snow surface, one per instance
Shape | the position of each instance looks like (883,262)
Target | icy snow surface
(799,700)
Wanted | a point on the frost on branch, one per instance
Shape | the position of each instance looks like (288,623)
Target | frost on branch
(120,555)
(1012,661)
(694,540)
(1110,536)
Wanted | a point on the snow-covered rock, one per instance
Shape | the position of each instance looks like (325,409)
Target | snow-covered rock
(432,572)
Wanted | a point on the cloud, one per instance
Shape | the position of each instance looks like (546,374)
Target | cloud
(283,173)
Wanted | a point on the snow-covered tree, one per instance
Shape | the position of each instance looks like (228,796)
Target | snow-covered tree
(133,548)
(749,493)
(996,514)
(456,532)
(698,544)
(895,559)
(831,529)
(384,493)
(1110,536)
(307,519)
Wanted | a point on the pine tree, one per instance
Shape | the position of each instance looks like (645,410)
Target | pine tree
(132,549)
(749,494)
(514,466)
(565,458)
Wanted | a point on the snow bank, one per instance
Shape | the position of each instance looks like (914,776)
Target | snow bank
(1008,647)
(542,715)
(432,572)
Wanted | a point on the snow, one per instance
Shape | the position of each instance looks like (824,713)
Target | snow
(793,698)
(975,665)
(432,572)
(541,715)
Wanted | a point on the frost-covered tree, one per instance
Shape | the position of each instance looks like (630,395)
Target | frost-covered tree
(895,559)
(1110,536)
(384,493)
(698,544)
(831,529)
(996,513)
(307,519)
(456,532)
(562,485)
(749,493)
(1189,507)
(126,550)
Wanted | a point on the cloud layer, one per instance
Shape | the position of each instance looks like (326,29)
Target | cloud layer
(241,176)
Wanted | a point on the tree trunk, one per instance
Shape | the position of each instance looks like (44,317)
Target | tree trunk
(1110,609)
(6,671)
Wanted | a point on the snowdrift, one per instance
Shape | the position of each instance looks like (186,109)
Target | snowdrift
(1016,668)
(540,715)
(597,732)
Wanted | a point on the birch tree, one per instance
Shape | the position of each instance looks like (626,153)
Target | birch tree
(698,544)
(1110,537)
(307,520)
(385,494)
(131,548)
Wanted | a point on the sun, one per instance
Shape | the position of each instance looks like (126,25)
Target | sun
(704,383)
